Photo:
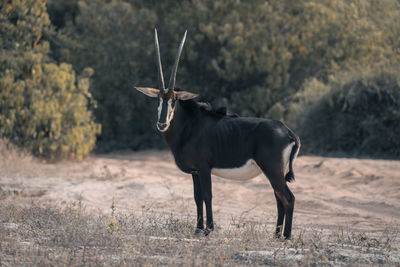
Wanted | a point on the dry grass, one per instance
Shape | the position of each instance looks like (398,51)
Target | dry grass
(13,157)
(34,233)
(9,152)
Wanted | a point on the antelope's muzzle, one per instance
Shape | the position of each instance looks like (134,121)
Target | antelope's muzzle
(162,126)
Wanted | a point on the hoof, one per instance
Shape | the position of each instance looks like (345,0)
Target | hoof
(198,231)
(207,231)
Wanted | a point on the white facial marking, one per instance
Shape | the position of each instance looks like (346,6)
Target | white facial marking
(249,170)
(286,157)
(170,112)
(160,107)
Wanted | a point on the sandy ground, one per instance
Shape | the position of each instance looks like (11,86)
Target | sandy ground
(361,194)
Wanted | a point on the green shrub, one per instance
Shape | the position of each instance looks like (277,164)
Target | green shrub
(43,105)
(360,114)
(292,109)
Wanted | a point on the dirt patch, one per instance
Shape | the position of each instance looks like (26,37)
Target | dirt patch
(138,207)
(360,193)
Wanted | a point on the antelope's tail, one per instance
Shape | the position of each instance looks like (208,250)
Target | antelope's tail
(293,154)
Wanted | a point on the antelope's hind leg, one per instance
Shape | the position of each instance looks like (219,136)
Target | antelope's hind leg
(287,199)
(284,197)
(281,217)
(289,207)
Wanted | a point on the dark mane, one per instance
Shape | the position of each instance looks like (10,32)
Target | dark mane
(193,106)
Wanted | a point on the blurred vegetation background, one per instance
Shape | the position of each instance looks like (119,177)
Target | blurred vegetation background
(327,68)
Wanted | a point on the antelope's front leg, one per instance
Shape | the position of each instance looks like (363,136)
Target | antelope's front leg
(198,198)
(206,192)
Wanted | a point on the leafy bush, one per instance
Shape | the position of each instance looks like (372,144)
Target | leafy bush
(43,105)
(360,114)
(292,109)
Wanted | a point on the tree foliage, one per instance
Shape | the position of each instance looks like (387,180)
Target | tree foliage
(116,40)
(248,55)
(259,58)
(359,113)
(43,105)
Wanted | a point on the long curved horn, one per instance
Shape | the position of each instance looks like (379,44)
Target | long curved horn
(161,85)
(172,80)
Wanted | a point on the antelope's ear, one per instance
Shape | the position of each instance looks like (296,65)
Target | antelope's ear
(184,95)
(152,92)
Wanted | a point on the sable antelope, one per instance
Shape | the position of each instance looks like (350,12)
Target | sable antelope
(205,141)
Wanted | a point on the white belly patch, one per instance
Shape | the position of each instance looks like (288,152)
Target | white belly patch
(249,170)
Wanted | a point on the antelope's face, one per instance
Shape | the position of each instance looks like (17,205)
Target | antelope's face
(166,97)
(166,104)
(166,109)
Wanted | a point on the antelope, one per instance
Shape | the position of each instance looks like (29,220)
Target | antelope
(207,141)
